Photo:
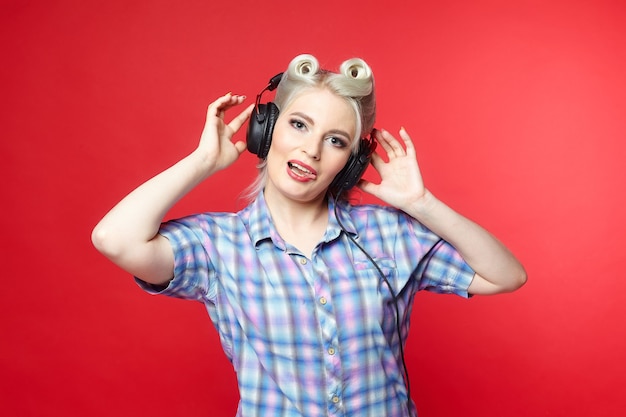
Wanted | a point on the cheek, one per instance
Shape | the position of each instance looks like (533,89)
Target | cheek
(280,141)
(337,162)
(272,161)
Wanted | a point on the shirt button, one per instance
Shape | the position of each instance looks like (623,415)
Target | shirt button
(323,301)
(335,399)
(303,261)
(331,351)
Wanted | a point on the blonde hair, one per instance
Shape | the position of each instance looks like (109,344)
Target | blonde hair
(354,82)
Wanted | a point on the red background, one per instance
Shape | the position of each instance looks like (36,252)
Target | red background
(517,111)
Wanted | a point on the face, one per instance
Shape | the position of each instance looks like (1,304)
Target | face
(311,143)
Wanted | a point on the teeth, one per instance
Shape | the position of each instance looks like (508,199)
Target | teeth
(300,167)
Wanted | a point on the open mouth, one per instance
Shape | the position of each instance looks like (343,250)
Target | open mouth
(301,171)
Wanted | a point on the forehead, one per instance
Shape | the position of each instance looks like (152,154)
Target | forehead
(324,108)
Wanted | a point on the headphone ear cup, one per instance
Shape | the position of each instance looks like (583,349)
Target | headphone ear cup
(354,169)
(260,129)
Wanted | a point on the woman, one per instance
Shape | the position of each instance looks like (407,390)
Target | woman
(311,296)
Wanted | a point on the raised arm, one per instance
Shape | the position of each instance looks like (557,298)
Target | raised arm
(496,268)
(128,234)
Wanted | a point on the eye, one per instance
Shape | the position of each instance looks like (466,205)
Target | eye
(337,141)
(297,124)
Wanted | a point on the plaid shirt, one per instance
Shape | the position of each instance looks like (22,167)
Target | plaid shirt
(312,336)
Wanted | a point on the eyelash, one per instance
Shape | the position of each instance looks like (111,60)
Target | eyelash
(341,143)
(335,141)
(298,124)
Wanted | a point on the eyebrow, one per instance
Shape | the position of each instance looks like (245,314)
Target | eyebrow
(312,122)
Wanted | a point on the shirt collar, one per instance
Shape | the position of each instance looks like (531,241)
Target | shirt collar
(335,224)
(259,222)
(261,227)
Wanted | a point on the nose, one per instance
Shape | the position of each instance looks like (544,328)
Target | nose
(312,148)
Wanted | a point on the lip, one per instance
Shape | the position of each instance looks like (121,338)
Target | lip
(312,173)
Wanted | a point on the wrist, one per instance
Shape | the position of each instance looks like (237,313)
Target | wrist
(424,206)
(202,165)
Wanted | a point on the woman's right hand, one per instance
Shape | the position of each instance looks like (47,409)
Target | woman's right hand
(129,234)
(216,148)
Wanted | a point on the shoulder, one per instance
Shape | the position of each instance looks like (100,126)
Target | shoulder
(206,218)
(201,223)
(368,214)
(387,222)
(250,223)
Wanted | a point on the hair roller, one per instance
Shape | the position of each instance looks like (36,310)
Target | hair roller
(304,66)
(356,68)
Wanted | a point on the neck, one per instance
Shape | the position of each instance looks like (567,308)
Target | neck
(302,224)
(297,214)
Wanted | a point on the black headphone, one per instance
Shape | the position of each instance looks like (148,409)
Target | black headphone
(261,128)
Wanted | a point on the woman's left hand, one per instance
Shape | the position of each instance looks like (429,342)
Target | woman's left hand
(401,182)
(497,269)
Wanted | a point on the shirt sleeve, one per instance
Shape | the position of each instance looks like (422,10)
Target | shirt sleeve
(443,270)
(192,265)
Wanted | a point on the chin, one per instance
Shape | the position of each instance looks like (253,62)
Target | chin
(304,196)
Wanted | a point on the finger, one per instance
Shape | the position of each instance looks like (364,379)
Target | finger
(377,161)
(368,187)
(240,146)
(410,147)
(219,106)
(241,118)
(391,144)
(230,101)
(408,143)
(382,140)
(395,144)
(215,108)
